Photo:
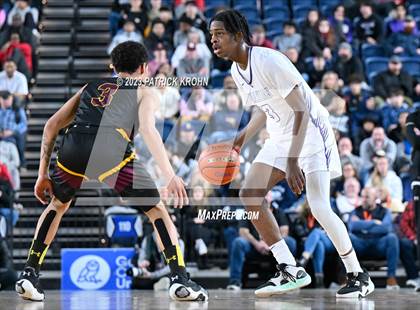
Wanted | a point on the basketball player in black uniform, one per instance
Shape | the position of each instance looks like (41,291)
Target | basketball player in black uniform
(96,145)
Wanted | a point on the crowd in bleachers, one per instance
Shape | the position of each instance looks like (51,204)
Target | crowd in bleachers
(362,58)
(19,41)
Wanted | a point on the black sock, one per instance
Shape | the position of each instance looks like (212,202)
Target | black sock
(175,260)
(36,255)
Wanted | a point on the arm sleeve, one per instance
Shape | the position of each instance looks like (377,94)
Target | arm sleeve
(283,76)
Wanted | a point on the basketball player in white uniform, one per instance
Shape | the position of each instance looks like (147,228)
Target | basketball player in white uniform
(301,148)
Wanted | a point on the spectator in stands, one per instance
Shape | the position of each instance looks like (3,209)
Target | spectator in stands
(338,118)
(341,23)
(225,123)
(394,106)
(329,92)
(165,15)
(28,14)
(192,65)
(322,42)
(293,55)
(345,149)
(372,235)
(192,11)
(405,42)
(159,58)
(185,26)
(259,37)
(316,244)
(155,6)
(201,47)
(198,106)
(181,6)
(392,78)
(383,175)
(200,231)
(13,124)
(350,199)
(19,52)
(368,26)
(347,64)
(220,95)
(289,39)
(337,185)
(168,99)
(316,71)
(128,33)
(249,245)
(376,143)
(399,136)
(136,12)
(397,21)
(408,245)
(17,25)
(360,104)
(150,262)
(9,155)
(157,36)
(311,22)
(5,178)
(184,155)
(13,81)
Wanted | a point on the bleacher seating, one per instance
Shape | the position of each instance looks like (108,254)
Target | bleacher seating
(375,64)
(373,50)
(276,12)
(273,24)
(301,11)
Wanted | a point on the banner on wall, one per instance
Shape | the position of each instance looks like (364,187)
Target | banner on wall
(96,269)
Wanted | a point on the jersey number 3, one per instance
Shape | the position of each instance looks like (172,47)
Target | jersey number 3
(105,97)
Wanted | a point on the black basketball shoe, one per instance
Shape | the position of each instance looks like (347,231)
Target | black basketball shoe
(183,289)
(28,287)
(358,285)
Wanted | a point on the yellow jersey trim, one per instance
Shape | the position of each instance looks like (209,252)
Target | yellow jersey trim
(117,168)
(123,133)
(71,172)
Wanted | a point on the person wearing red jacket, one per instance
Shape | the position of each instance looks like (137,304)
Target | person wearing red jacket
(15,43)
(5,174)
(408,243)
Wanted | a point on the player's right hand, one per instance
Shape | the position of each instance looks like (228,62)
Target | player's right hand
(294,177)
(43,187)
(176,190)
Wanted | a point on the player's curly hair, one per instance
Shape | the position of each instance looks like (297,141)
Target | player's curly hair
(128,56)
(234,22)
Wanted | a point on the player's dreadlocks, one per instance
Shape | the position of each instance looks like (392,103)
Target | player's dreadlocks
(234,22)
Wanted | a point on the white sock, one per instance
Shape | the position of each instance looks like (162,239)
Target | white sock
(318,195)
(351,262)
(282,253)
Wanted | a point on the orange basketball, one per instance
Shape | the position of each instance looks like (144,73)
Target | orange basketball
(219,163)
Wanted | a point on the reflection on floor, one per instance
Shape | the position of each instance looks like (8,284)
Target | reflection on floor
(306,299)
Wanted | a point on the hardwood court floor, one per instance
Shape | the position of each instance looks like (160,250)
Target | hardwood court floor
(219,299)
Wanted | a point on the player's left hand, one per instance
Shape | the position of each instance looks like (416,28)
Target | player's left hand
(176,190)
(294,176)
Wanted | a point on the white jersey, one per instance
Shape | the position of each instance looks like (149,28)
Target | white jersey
(268,79)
